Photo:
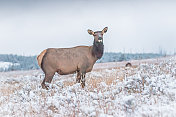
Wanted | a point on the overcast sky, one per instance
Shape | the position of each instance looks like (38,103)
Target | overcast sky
(28,27)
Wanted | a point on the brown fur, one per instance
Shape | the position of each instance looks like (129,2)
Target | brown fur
(78,59)
(128,65)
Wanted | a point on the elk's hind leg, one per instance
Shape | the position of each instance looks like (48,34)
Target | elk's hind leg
(83,80)
(48,78)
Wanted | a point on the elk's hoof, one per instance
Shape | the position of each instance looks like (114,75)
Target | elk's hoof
(83,84)
(44,86)
(77,80)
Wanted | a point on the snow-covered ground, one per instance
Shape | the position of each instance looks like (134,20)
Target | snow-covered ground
(147,90)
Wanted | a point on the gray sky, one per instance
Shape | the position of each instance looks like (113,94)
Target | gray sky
(28,27)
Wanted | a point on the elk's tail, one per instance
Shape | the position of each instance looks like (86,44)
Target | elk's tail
(40,57)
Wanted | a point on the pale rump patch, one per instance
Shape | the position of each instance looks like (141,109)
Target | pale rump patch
(40,57)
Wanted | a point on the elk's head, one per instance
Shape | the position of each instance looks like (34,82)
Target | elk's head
(98,42)
(98,35)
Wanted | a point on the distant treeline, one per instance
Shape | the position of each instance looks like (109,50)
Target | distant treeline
(117,57)
(30,62)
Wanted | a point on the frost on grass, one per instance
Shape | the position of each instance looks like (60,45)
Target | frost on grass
(146,90)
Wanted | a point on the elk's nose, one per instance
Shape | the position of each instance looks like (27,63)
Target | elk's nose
(100,39)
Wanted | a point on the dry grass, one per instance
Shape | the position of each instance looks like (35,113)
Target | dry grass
(68,83)
(109,79)
(54,109)
(102,80)
(92,82)
(7,91)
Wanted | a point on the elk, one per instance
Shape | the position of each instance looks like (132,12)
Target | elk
(78,59)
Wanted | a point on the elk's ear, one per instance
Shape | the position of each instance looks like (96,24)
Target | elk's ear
(90,32)
(105,30)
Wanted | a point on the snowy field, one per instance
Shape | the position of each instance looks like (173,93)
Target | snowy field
(148,89)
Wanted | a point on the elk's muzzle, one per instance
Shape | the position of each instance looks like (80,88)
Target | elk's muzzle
(100,40)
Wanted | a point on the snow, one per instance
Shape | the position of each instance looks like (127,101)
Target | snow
(6,65)
(146,90)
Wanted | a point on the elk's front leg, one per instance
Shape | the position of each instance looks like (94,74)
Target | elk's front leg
(83,80)
(78,77)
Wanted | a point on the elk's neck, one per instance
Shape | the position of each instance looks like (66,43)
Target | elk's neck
(97,50)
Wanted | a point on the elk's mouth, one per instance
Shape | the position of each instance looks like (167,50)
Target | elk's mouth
(99,42)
